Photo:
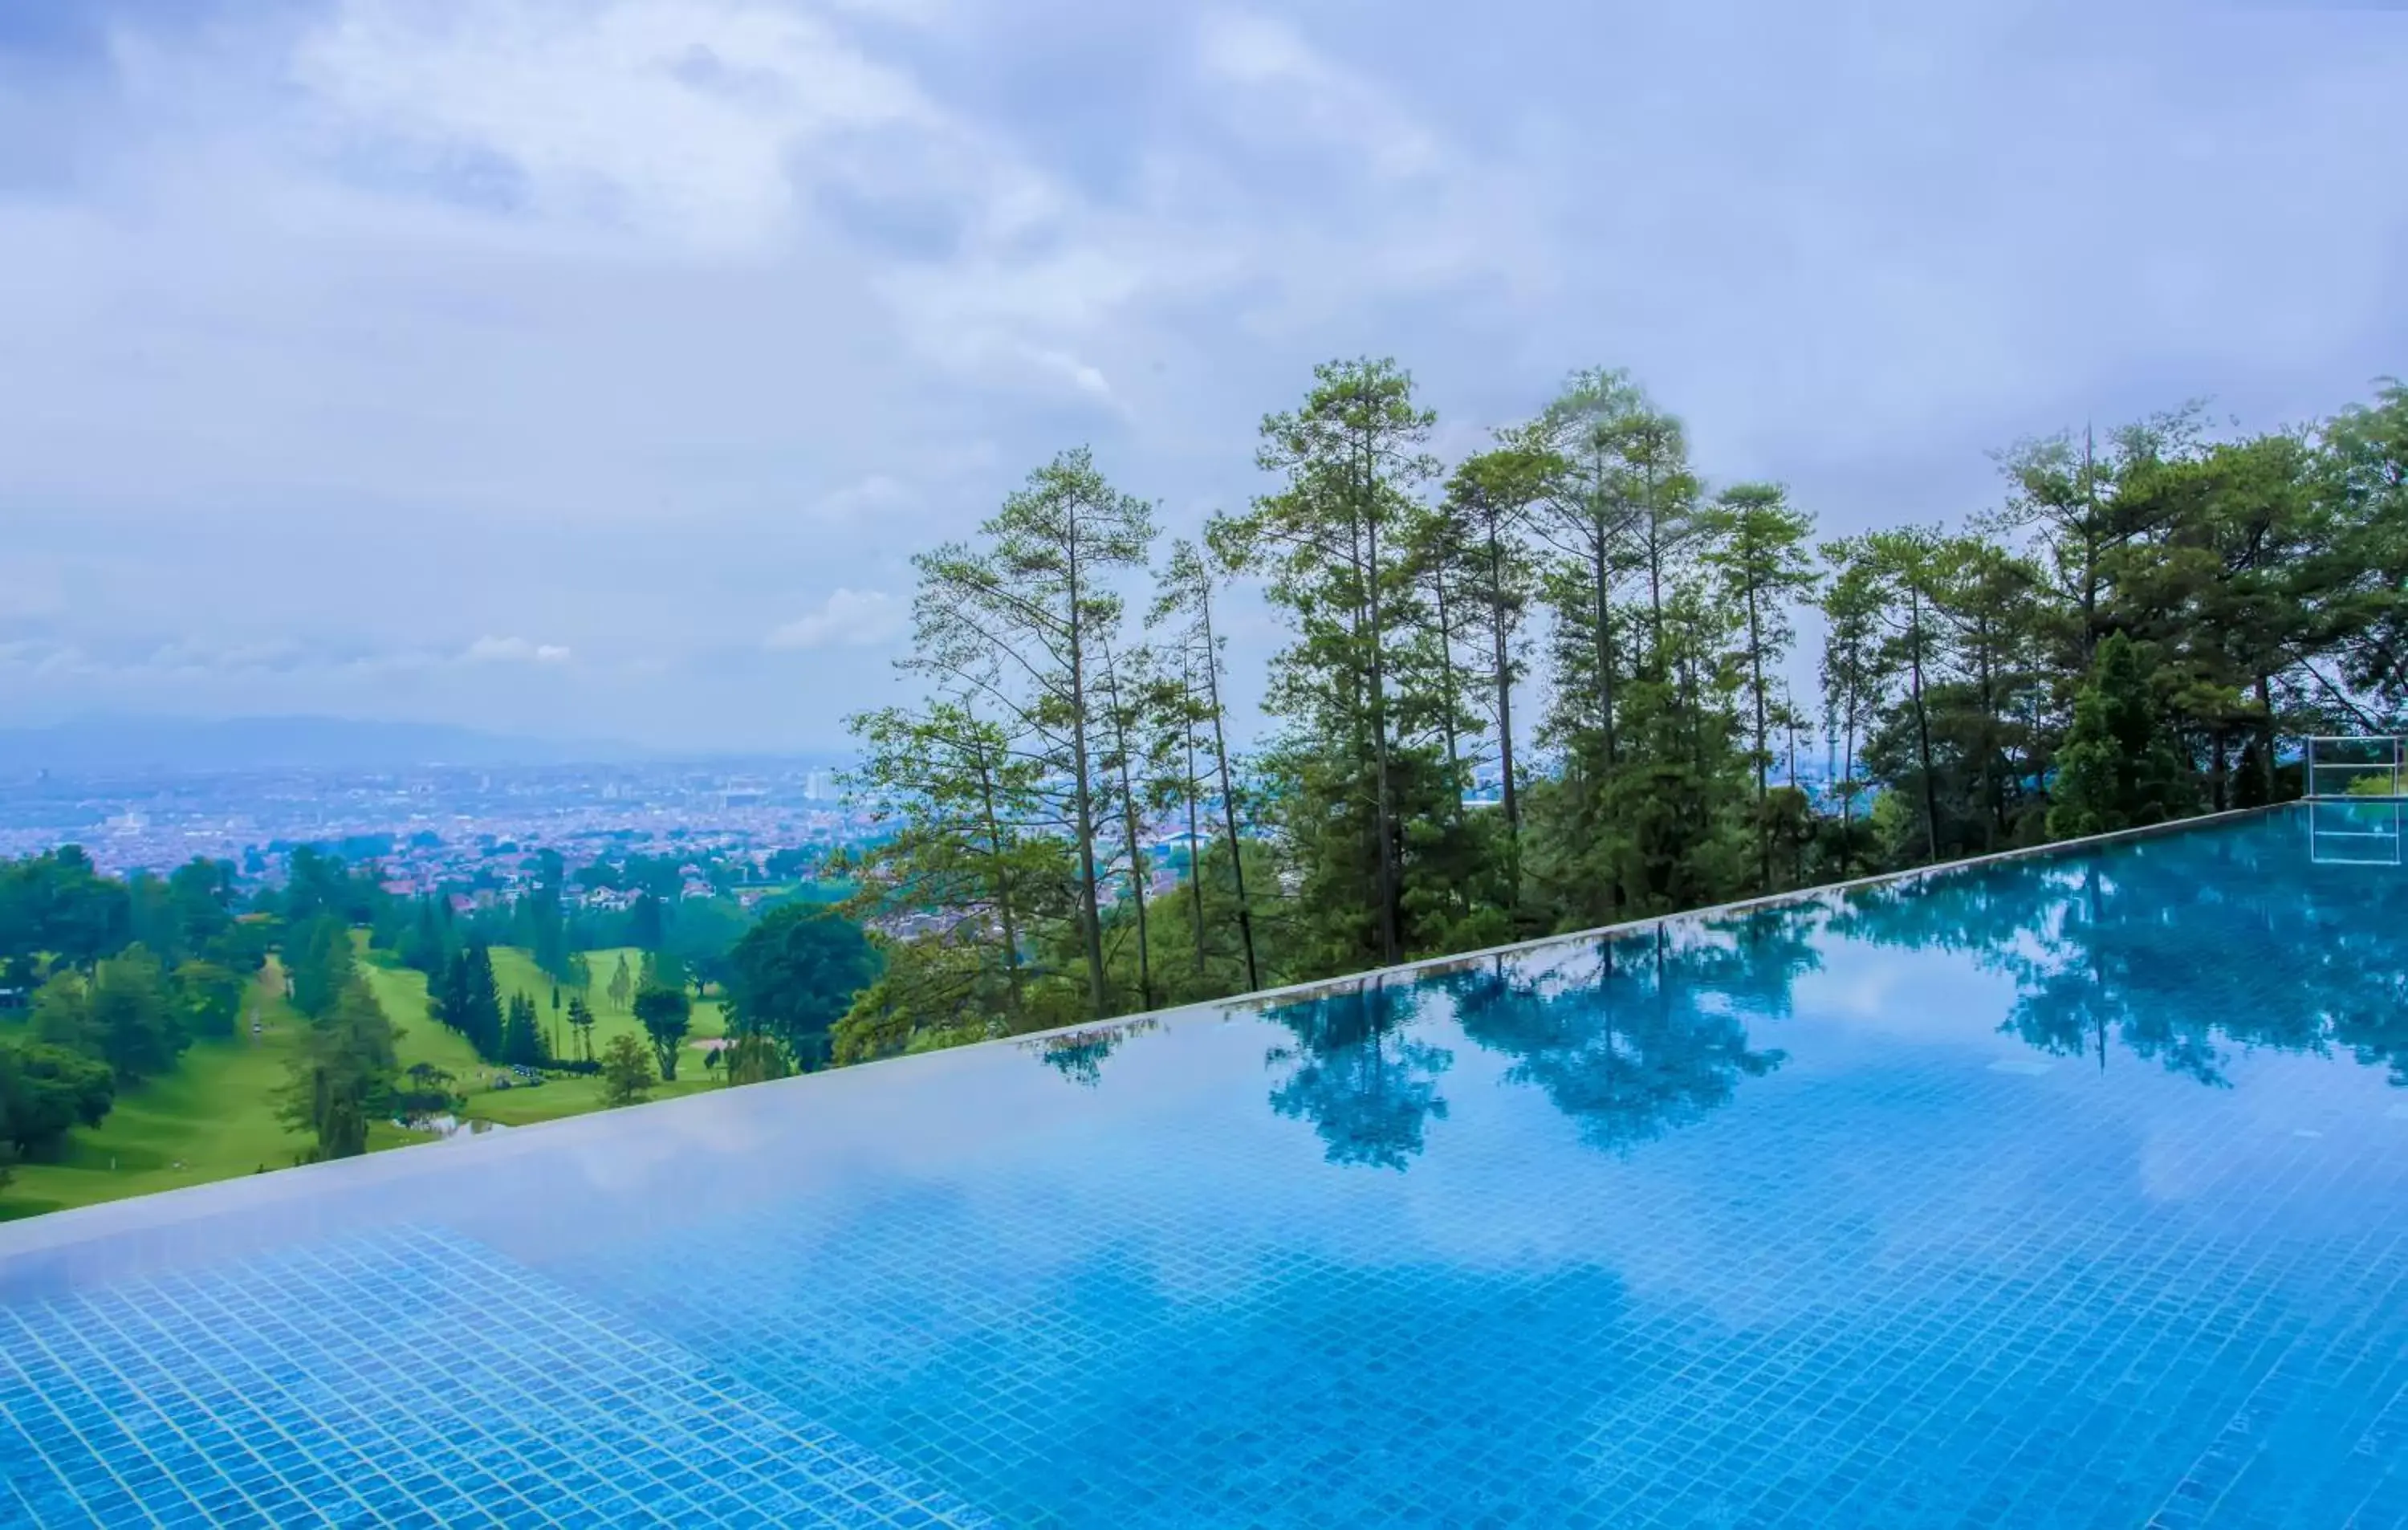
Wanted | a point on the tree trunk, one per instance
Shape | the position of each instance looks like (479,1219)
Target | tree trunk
(1136,855)
(1002,884)
(1194,850)
(1601,580)
(1763,753)
(1382,801)
(1228,799)
(1447,694)
(1654,574)
(2266,737)
(1503,661)
(1082,788)
(1922,724)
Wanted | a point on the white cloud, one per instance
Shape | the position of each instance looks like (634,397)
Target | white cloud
(846,619)
(680,120)
(1280,86)
(513,651)
(703,304)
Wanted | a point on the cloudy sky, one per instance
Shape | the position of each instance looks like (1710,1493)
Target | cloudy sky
(591,367)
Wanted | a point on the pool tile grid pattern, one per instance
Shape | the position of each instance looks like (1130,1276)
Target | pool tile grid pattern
(2063,1192)
(1917,1348)
(408,1378)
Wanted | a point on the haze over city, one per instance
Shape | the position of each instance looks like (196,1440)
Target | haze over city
(589,370)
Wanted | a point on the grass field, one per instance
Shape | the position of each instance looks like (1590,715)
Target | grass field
(213,1119)
(215,1116)
(403,994)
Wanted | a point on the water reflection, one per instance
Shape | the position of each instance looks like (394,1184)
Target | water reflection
(1079,1055)
(1631,1037)
(1636,1037)
(1369,1088)
(2180,951)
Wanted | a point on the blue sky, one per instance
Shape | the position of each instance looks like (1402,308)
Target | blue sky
(591,367)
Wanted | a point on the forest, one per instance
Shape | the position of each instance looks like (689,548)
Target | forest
(2145,623)
(1568,681)
(111,987)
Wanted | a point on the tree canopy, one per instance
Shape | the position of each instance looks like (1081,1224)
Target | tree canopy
(1558,685)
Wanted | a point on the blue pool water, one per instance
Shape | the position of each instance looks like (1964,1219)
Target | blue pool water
(2065,1189)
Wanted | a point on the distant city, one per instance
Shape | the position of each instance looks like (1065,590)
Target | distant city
(431,828)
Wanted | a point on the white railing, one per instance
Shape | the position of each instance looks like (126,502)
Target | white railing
(2366,765)
(2355,787)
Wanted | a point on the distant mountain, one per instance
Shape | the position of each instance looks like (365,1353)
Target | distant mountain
(277,743)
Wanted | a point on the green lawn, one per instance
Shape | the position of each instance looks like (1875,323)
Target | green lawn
(403,994)
(215,1116)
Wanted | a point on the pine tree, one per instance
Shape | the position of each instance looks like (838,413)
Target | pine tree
(2117,769)
(1756,550)
(580,1021)
(522,1039)
(1348,458)
(470,1001)
(1185,597)
(1017,624)
(341,1075)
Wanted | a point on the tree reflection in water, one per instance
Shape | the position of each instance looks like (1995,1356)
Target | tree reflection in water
(1079,1055)
(1639,1034)
(2177,950)
(1368,1087)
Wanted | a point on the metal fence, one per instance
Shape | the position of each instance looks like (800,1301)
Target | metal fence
(2356,799)
(2366,765)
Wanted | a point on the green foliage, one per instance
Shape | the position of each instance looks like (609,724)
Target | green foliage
(795,974)
(426,1090)
(468,999)
(522,1042)
(318,960)
(627,1071)
(44,1091)
(1965,674)
(665,1015)
(1356,691)
(341,1076)
(208,998)
(752,1060)
(580,1025)
(1756,555)
(57,907)
(125,1014)
(2117,770)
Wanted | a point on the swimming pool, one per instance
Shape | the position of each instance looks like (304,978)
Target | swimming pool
(2055,1190)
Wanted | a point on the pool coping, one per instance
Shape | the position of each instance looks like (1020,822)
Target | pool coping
(50,1231)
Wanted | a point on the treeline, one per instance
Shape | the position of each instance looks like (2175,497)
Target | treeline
(694,936)
(2144,625)
(105,982)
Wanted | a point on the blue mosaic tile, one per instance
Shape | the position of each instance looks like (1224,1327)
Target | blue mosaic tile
(403,1377)
(2068,1192)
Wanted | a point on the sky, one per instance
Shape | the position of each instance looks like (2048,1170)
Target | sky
(591,368)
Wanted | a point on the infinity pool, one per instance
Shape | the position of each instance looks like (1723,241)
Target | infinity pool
(2060,1190)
